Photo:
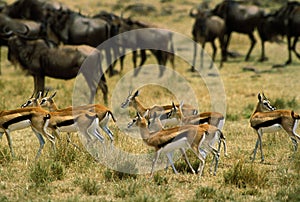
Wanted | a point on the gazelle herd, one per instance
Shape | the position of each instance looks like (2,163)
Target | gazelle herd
(166,128)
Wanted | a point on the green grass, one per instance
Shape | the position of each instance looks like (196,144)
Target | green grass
(72,174)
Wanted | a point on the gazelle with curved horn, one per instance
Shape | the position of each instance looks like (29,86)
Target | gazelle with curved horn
(68,120)
(266,119)
(103,113)
(212,118)
(155,125)
(34,117)
(133,101)
(165,141)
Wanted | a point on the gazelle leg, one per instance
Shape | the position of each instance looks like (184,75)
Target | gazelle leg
(42,143)
(260,144)
(92,130)
(170,157)
(108,132)
(157,154)
(255,149)
(9,143)
(295,143)
(187,160)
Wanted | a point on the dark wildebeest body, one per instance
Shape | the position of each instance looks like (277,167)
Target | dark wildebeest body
(289,19)
(207,28)
(285,21)
(62,63)
(143,39)
(76,29)
(35,10)
(239,18)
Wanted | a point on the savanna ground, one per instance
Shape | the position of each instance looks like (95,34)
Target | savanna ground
(73,175)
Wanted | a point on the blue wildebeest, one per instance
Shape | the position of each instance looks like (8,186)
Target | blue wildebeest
(207,28)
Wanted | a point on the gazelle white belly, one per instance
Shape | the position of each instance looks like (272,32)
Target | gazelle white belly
(271,129)
(19,125)
(180,143)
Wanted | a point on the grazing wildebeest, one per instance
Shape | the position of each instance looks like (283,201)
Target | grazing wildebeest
(207,28)
(64,62)
(36,10)
(239,18)
(140,40)
(75,29)
(284,21)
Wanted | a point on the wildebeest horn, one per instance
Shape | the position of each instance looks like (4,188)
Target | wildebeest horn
(193,12)
(6,32)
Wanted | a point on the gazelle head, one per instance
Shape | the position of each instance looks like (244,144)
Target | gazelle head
(130,99)
(139,120)
(32,101)
(176,112)
(47,101)
(263,103)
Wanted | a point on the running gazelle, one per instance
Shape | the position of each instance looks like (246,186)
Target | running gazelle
(213,118)
(103,113)
(133,101)
(266,118)
(17,119)
(168,140)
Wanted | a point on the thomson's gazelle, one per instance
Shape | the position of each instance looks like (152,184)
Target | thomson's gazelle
(266,119)
(37,118)
(68,120)
(132,101)
(155,125)
(168,140)
(103,113)
(213,118)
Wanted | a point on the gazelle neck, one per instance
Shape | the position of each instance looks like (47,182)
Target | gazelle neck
(138,106)
(52,107)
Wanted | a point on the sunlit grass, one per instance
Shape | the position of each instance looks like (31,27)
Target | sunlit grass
(72,174)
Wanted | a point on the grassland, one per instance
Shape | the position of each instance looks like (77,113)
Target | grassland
(74,175)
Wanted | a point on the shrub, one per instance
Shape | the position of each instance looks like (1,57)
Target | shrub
(243,176)
(205,193)
(90,187)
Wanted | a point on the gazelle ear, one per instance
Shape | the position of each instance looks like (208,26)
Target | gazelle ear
(52,96)
(181,104)
(46,93)
(138,115)
(173,105)
(39,95)
(146,113)
(136,93)
(259,97)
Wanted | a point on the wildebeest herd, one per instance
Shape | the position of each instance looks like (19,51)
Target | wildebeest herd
(41,35)
(42,27)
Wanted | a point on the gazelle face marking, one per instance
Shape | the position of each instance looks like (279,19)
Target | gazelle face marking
(129,99)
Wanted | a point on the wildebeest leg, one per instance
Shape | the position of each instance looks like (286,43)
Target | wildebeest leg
(221,41)
(194,57)
(202,54)
(214,47)
(134,57)
(289,51)
(108,60)
(39,83)
(293,47)
(161,60)
(103,86)
(263,57)
(253,42)
(122,58)
(143,57)
(226,43)
(0,62)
